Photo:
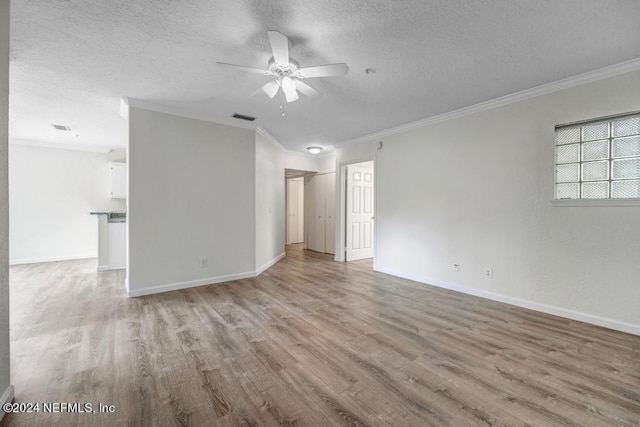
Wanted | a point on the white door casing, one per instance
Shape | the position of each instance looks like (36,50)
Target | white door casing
(359,218)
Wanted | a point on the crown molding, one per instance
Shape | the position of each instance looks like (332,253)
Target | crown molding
(266,135)
(569,82)
(61,146)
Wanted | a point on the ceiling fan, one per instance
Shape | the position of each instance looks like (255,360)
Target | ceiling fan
(287,73)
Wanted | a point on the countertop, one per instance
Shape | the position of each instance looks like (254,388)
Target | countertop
(112,216)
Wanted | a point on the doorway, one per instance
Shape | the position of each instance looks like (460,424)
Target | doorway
(295,210)
(359,211)
(295,206)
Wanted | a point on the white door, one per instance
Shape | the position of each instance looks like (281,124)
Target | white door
(310,213)
(295,210)
(330,203)
(359,219)
(319,213)
(292,208)
(300,210)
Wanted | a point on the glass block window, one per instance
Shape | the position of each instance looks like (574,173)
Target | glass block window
(599,159)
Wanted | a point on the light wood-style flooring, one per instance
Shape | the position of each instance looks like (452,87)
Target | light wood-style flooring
(311,342)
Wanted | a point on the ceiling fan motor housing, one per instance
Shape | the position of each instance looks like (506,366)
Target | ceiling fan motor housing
(281,71)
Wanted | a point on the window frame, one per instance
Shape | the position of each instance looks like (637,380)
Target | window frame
(590,202)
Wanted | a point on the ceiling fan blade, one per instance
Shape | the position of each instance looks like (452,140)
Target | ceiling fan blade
(280,48)
(271,88)
(306,89)
(324,70)
(243,68)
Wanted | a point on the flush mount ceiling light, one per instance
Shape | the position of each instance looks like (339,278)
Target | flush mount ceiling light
(314,149)
(286,72)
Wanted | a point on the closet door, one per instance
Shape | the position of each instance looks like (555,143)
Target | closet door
(300,211)
(330,203)
(320,217)
(310,216)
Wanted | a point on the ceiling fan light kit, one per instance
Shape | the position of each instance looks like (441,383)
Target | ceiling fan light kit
(314,149)
(287,73)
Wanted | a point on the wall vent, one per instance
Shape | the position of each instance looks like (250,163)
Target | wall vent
(61,127)
(243,117)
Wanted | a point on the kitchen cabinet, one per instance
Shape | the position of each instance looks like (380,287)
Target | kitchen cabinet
(118,180)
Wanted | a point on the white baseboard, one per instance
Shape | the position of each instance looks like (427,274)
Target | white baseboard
(270,263)
(50,259)
(107,268)
(188,284)
(7,397)
(618,325)
(199,282)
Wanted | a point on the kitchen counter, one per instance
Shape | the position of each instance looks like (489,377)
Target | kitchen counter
(112,235)
(112,216)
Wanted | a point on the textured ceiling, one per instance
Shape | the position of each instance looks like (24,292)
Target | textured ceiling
(74,59)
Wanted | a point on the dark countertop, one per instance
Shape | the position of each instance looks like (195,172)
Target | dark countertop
(112,216)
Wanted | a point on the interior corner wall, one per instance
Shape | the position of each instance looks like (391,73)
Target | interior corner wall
(270,203)
(6,390)
(191,196)
(477,191)
(51,192)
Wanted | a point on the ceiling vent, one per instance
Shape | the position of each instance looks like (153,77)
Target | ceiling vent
(243,117)
(61,127)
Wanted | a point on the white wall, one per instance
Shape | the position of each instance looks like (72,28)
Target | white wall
(307,162)
(476,191)
(51,192)
(191,195)
(6,390)
(270,203)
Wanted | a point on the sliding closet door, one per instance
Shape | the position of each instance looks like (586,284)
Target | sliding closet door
(320,216)
(330,203)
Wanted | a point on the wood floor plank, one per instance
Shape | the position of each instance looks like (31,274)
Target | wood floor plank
(309,342)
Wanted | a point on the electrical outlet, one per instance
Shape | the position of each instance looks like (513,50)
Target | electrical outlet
(456,267)
(203,262)
(488,273)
